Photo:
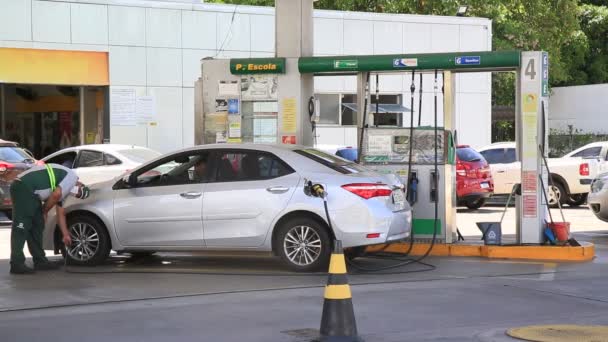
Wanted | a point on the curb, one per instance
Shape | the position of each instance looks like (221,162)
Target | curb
(586,252)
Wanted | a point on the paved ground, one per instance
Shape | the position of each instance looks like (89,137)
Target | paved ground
(581,219)
(195,298)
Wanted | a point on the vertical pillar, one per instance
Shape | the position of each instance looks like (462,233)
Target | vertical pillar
(362,95)
(106,115)
(294,39)
(81,119)
(2,110)
(447,190)
(530,130)
(199,117)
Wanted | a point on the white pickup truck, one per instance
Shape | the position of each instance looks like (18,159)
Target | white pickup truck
(571,175)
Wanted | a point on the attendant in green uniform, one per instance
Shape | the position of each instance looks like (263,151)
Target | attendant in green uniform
(50,184)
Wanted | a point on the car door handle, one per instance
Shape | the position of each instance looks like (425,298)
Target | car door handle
(277,189)
(191,194)
(500,171)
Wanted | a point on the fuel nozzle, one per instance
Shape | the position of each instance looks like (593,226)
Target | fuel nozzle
(318,190)
(315,189)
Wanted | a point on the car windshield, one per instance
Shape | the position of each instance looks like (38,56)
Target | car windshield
(333,162)
(13,154)
(468,154)
(139,155)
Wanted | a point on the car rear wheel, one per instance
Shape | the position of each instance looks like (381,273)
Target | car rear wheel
(90,241)
(304,245)
(475,204)
(577,200)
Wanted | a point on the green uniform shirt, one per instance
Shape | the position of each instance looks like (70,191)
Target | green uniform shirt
(38,181)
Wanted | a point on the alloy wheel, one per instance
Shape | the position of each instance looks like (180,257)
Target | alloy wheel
(555,195)
(85,241)
(302,245)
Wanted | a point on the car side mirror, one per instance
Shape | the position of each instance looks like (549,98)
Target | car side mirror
(130,180)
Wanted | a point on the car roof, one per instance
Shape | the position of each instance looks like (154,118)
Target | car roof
(8,143)
(503,144)
(245,146)
(102,147)
(594,144)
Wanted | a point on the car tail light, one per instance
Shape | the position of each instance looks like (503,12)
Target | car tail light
(460,169)
(6,166)
(583,169)
(368,190)
(373,235)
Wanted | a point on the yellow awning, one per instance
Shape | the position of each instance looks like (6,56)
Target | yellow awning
(35,66)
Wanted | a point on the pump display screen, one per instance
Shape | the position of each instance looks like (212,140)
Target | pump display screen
(392,146)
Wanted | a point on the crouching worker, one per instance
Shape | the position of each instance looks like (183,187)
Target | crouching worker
(51,184)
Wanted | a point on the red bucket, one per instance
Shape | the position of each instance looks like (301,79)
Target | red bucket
(561,230)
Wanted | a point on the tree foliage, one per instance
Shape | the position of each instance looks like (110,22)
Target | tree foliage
(575,33)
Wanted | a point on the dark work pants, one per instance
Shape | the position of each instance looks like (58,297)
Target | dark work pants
(28,224)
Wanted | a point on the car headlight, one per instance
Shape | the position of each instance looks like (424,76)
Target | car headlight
(598,184)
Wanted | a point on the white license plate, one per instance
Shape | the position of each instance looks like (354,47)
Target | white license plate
(398,198)
(484,185)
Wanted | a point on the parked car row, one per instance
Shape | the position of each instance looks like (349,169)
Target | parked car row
(205,195)
(494,169)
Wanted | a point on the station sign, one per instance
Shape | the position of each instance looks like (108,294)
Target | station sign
(346,64)
(247,66)
(405,62)
(468,60)
(545,75)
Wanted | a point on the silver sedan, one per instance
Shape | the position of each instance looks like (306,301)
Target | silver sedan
(598,197)
(236,197)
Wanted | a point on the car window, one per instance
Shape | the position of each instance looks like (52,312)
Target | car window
(13,154)
(111,160)
(510,156)
(66,159)
(89,158)
(468,154)
(249,165)
(494,156)
(183,168)
(333,162)
(271,166)
(591,152)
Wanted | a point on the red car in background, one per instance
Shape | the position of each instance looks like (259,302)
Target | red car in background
(474,182)
(13,161)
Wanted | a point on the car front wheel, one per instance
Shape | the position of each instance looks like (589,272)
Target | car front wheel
(304,245)
(90,241)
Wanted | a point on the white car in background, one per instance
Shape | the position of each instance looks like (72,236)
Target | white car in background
(98,163)
(571,176)
(597,150)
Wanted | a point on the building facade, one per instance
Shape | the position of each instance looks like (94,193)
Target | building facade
(154,50)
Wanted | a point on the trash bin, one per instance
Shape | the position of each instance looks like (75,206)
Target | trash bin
(491,232)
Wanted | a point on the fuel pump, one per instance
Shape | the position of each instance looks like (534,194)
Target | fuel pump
(423,157)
